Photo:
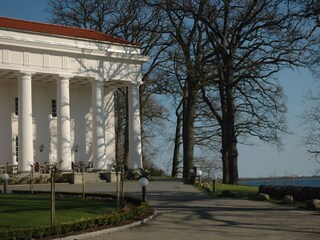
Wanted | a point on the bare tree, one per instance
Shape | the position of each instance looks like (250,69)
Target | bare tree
(310,121)
(185,38)
(250,42)
(310,118)
(177,143)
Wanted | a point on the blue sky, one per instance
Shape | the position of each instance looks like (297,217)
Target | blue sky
(264,160)
(256,161)
(34,10)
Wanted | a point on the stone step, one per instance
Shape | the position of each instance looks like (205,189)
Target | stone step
(93,177)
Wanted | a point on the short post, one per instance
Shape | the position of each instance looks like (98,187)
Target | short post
(199,175)
(144,182)
(192,176)
(53,202)
(122,183)
(83,182)
(214,185)
(5,178)
(144,193)
(117,168)
(31,179)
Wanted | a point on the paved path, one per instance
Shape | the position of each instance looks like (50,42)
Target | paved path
(185,213)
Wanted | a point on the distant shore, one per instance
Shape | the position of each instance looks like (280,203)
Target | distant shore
(310,181)
(276,177)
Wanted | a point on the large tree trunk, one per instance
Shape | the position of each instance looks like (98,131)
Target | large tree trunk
(229,138)
(177,142)
(230,153)
(230,161)
(189,109)
(233,160)
(224,156)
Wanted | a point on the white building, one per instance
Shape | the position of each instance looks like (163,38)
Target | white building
(56,95)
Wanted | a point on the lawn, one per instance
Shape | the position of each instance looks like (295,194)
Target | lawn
(24,211)
(238,191)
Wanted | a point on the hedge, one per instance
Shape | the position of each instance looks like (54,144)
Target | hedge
(141,210)
(297,192)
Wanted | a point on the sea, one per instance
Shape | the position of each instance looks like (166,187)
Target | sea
(283,181)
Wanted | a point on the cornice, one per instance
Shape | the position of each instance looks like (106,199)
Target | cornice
(88,49)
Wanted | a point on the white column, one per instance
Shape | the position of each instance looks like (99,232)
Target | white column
(109,128)
(25,151)
(135,158)
(63,124)
(98,141)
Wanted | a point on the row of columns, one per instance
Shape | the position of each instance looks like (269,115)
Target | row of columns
(100,162)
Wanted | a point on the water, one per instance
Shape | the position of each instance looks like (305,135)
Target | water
(283,181)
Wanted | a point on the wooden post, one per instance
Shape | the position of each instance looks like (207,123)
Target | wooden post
(53,202)
(121,183)
(83,182)
(118,187)
(31,179)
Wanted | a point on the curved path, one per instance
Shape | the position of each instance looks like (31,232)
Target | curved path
(185,213)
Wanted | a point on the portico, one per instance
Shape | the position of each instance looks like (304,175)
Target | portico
(56,95)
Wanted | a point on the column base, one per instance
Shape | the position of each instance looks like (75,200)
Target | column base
(92,177)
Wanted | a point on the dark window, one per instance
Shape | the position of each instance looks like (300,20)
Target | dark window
(16,105)
(54,108)
(17,149)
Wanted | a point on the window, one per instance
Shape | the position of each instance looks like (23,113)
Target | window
(17,148)
(54,107)
(16,105)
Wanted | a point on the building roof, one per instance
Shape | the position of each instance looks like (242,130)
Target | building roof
(58,30)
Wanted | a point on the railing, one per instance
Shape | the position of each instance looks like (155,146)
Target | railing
(9,168)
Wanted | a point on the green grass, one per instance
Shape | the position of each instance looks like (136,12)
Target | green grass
(25,211)
(247,192)
(237,191)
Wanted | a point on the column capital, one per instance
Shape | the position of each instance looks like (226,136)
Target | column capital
(136,84)
(98,79)
(64,76)
(26,73)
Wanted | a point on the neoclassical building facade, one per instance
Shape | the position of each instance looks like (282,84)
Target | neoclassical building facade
(56,95)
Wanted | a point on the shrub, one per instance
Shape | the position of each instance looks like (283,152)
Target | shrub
(61,178)
(41,179)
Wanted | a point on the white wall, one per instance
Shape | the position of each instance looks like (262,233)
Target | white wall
(80,101)
(41,109)
(5,125)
